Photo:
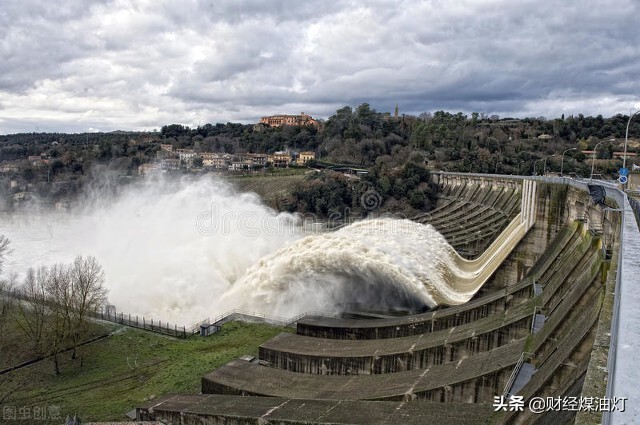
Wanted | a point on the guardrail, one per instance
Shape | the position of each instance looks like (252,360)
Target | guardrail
(166,328)
(514,374)
(635,206)
(252,316)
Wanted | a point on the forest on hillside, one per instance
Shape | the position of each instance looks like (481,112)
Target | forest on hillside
(397,153)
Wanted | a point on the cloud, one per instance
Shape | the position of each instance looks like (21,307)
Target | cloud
(124,64)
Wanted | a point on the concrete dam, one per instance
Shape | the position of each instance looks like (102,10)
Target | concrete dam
(540,260)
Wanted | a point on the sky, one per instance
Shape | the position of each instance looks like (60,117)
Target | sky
(104,65)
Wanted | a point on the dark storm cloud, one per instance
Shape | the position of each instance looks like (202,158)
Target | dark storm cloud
(141,64)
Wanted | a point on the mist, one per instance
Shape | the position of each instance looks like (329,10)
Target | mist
(170,248)
(184,250)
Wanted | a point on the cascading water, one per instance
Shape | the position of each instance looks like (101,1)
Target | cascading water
(380,264)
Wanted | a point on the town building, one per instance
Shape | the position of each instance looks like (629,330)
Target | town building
(170,164)
(280,159)
(9,168)
(305,157)
(297,120)
(186,156)
(216,160)
(37,161)
(147,168)
(257,160)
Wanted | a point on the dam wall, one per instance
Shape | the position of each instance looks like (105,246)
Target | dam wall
(539,327)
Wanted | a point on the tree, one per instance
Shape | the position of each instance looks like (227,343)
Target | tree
(32,309)
(6,306)
(58,326)
(197,162)
(4,249)
(56,303)
(88,293)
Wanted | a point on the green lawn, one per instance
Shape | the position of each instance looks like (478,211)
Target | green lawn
(127,369)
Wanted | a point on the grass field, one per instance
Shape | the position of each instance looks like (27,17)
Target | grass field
(124,370)
(272,186)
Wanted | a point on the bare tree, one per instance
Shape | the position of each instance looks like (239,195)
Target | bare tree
(7,305)
(88,294)
(4,249)
(59,324)
(55,305)
(6,289)
(32,308)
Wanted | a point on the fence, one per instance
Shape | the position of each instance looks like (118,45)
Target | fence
(210,326)
(635,206)
(157,326)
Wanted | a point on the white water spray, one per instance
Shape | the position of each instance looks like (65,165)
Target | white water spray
(185,250)
(170,249)
(380,264)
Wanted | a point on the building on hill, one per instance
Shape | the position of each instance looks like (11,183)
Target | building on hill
(216,160)
(306,156)
(280,159)
(296,120)
(170,164)
(186,156)
(37,161)
(147,168)
(9,168)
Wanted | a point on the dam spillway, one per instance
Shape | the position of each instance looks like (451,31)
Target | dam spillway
(530,329)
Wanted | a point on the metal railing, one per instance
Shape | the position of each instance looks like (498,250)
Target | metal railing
(514,374)
(239,314)
(141,322)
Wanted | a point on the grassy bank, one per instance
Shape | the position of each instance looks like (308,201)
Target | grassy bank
(124,370)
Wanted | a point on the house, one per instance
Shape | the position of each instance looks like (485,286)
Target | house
(37,161)
(280,159)
(147,168)
(240,165)
(305,157)
(257,160)
(22,196)
(215,160)
(9,168)
(282,119)
(186,156)
(170,164)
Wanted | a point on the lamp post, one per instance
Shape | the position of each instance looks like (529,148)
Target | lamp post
(626,138)
(544,169)
(534,166)
(562,162)
(593,161)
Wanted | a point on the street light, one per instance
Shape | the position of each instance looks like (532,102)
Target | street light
(533,173)
(626,138)
(544,169)
(593,161)
(562,162)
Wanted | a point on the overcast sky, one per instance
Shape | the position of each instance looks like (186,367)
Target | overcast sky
(114,64)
